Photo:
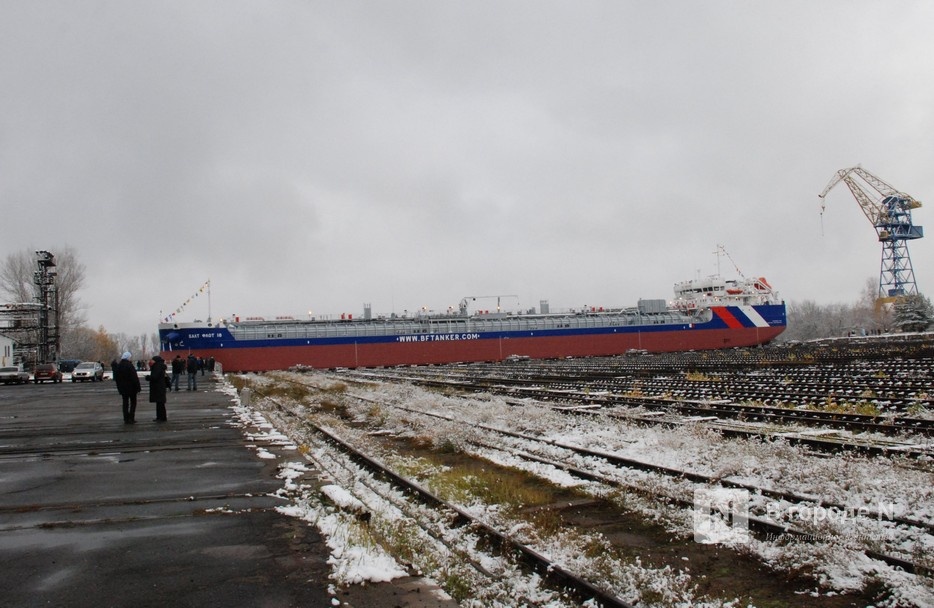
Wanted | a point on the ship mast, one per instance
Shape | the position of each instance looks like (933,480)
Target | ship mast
(721,250)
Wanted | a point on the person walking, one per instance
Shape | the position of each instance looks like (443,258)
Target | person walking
(178,368)
(192,367)
(128,386)
(157,387)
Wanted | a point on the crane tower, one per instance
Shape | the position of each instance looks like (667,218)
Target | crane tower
(889,211)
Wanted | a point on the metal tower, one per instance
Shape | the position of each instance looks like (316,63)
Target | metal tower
(889,211)
(47,344)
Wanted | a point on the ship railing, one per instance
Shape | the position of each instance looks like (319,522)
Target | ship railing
(449,326)
(346,330)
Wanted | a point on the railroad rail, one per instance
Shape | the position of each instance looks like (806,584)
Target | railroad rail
(762,526)
(866,387)
(558,578)
(567,395)
(673,390)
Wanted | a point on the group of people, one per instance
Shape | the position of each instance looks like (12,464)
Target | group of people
(128,384)
(192,365)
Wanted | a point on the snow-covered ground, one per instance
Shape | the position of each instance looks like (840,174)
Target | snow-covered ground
(871,491)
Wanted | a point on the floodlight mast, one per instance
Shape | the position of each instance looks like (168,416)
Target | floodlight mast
(48,345)
(889,211)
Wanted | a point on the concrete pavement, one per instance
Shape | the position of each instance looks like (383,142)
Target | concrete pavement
(94,512)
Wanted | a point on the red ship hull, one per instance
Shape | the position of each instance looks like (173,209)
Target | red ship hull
(351,355)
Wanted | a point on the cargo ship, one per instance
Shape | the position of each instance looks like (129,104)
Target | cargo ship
(705,314)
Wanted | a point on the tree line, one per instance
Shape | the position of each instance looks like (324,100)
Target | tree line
(808,320)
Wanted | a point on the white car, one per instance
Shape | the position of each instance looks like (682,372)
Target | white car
(88,370)
(13,375)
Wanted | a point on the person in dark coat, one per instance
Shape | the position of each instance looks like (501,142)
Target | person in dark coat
(157,387)
(128,386)
(192,367)
(178,368)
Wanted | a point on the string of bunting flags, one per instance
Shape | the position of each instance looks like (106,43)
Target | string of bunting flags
(206,287)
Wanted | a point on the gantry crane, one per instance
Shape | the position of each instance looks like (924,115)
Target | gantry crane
(889,211)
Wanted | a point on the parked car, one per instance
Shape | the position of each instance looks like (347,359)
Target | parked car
(46,372)
(88,370)
(13,374)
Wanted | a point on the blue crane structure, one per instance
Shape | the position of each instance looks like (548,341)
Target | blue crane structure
(889,211)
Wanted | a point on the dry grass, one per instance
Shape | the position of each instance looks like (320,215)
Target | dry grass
(335,408)
(239,382)
(832,406)
(473,481)
(287,390)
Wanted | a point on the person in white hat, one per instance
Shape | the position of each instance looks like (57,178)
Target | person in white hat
(128,386)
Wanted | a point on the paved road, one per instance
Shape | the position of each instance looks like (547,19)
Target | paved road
(94,512)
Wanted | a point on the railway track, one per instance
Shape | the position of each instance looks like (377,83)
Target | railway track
(893,376)
(593,390)
(565,584)
(760,525)
(581,464)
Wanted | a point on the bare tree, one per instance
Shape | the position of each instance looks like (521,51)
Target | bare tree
(149,343)
(808,320)
(805,321)
(865,312)
(69,282)
(143,346)
(146,345)
(16,277)
(17,284)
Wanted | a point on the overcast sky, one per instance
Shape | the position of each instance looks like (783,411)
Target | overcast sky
(314,156)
